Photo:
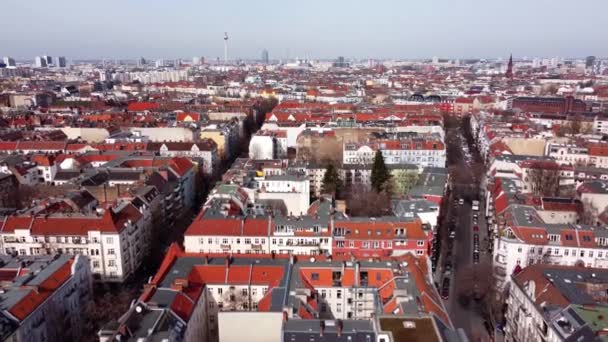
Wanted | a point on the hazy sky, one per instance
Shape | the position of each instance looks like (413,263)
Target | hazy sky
(319,28)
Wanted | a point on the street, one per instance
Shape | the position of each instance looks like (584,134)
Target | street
(464,301)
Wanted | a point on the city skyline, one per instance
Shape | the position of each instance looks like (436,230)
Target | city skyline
(386,30)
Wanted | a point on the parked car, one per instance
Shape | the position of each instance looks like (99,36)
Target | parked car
(445,288)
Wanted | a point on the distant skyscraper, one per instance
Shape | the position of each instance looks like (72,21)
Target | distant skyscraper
(40,62)
(62,62)
(49,60)
(509,73)
(141,61)
(265,56)
(160,63)
(590,62)
(435,60)
(340,63)
(10,62)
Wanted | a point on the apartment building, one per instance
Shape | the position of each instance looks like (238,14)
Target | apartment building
(424,151)
(269,296)
(557,303)
(44,298)
(525,239)
(364,237)
(114,238)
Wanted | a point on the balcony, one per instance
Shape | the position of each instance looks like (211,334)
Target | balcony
(500,271)
(498,261)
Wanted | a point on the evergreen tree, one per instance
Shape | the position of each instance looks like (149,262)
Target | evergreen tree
(380,174)
(332,184)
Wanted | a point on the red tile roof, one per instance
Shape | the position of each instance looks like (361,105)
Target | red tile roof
(35,297)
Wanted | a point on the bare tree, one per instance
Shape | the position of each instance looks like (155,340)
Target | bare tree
(105,308)
(588,213)
(368,203)
(543,181)
(478,283)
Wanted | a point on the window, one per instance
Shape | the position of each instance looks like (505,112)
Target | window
(111,263)
(238,241)
(420,243)
(419,252)
(109,240)
(339,294)
(582,254)
(591,254)
(315,276)
(376,244)
(220,290)
(224,241)
(323,293)
(365,244)
(339,307)
(519,250)
(244,292)
(95,263)
(389,244)
(247,241)
(600,254)
(111,251)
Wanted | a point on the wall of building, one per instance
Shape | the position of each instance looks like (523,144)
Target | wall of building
(250,326)
(92,135)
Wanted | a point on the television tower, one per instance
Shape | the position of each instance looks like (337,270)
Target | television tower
(226,47)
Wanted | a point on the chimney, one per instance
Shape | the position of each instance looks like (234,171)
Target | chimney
(339,326)
(322,327)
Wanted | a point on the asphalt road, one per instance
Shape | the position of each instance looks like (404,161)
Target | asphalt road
(467,313)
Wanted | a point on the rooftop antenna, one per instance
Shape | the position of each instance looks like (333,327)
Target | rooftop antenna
(226,47)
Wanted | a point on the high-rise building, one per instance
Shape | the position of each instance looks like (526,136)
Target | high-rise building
(10,62)
(265,56)
(49,60)
(141,61)
(340,63)
(61,62)
(590,62)
(40,62)
(160,63)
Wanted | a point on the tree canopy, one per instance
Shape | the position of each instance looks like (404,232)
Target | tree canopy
(332,184)
(380,173)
